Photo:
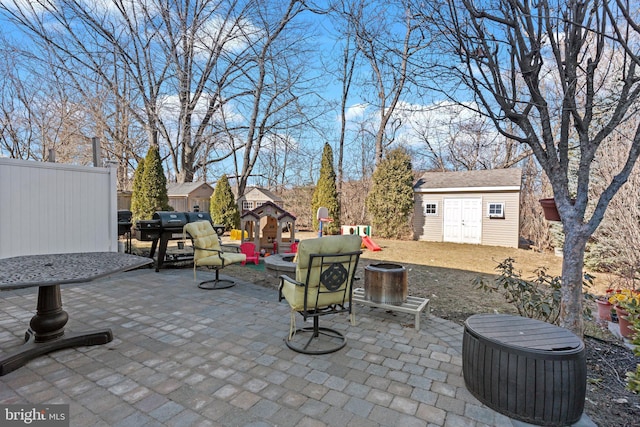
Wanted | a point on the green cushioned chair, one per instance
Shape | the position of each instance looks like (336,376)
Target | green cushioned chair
(208,252)
(325,271)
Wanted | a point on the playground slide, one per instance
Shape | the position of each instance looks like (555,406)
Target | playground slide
(370,244)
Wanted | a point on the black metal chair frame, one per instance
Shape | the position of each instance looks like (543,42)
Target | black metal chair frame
(333,275)
(216,283)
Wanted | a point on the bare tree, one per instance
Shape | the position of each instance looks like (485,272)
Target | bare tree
(39,114)
(17,136)
(559,77)
(613,246)
(271,76)
(181,70)
(343,69)
(390,39)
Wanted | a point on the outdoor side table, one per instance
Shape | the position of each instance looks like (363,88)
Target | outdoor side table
(48,272)
(526,369)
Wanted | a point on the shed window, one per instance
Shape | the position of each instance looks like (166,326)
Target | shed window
(247,205)
(495,210)
(431,208)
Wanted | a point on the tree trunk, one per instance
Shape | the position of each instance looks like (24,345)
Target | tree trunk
(571,313)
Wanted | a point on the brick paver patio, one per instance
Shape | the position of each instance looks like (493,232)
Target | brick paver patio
(182,356)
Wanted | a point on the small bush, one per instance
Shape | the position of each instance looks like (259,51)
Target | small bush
(633,377)
(538,298)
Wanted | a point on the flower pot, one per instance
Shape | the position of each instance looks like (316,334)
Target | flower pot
(623,320)
(549,209)
(604,309)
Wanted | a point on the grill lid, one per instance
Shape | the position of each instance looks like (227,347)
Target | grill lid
(198,216)
(124,216)
(171,219)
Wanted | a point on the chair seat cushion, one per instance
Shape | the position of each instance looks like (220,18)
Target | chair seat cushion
(214,260)
(295,297)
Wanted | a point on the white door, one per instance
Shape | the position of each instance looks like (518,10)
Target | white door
(462,220)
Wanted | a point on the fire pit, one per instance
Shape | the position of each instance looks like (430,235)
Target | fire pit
(385,283)
(280,264)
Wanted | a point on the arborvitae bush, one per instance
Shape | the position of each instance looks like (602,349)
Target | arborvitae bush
(137,192)
(390,202)
(326,194)
(223,207)
(152,195)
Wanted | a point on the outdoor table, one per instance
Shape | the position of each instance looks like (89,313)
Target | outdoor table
(48,272)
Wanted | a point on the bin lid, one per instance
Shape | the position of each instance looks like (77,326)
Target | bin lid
(522,332)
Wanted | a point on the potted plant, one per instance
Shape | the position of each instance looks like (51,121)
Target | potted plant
(604,308)
(627,306)
(550,210)
(633,377)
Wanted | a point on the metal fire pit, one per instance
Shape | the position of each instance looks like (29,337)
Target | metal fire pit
(385,283)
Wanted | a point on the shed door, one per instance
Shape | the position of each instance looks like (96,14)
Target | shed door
(462,220)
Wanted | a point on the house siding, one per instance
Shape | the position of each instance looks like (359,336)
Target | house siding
(495,231)
(498,231)
(428,227)
(256,197)
(200,197)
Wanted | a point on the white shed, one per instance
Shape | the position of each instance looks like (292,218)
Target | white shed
(481,207)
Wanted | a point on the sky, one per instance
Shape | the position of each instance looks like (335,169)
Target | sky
(416,112)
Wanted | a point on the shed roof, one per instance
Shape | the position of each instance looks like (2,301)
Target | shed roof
(268,209)
(476,180)
(185,188)
(268,194)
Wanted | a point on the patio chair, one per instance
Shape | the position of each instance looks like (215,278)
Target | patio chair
(293,248)
(208,252)
(324,276)
(249,249)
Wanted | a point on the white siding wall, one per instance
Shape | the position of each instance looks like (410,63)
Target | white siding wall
(502,232)
(56,208)
(495,231)
(429,228)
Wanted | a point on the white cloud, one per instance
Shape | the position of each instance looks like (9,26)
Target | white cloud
(357,111)
(29,7)
(234,34)
(170,111)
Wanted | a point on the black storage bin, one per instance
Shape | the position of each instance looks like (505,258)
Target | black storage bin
(525,369)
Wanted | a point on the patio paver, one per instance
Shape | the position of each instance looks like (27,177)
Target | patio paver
(182,356)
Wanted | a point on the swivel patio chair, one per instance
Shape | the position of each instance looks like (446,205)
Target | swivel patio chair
(249,249)
(324,277)
(208,252)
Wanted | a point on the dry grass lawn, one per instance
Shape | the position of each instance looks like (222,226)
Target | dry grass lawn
(444,272)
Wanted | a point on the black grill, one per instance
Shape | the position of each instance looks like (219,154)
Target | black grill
(167,226)
(124,228)
(124,222)
(148,230)
(171,220)
(198,216)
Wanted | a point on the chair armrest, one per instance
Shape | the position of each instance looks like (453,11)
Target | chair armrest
(284,277)
(208,249)
(233,248)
